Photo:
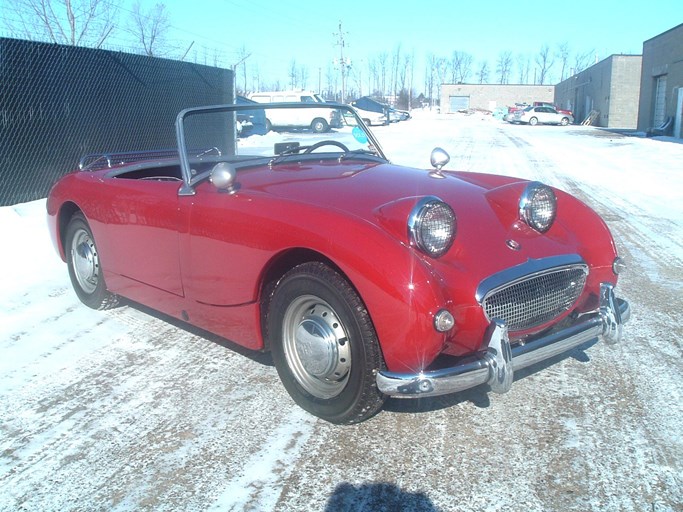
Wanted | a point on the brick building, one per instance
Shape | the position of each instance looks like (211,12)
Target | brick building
(456,97)
(610,90)
(661,84)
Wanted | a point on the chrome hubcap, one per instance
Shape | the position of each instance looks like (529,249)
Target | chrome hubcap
(316,346)
(85,261)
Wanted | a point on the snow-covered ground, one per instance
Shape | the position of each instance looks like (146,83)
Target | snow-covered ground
(128,410)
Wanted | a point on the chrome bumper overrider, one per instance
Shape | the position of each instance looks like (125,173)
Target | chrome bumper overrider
(496,366)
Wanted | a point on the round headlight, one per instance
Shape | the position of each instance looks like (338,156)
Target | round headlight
(538,206)
(432,226)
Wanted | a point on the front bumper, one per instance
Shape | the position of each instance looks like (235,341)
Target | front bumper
(497,365)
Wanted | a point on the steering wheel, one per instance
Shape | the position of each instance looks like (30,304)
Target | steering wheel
(322,143)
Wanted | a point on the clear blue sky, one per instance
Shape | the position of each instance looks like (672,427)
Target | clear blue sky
(276,33)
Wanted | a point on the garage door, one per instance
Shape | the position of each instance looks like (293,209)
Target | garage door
(458,103)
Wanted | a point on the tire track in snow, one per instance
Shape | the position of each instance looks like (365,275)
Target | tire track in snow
(259,484)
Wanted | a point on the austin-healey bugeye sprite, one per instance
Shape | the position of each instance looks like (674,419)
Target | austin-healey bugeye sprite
(364,279)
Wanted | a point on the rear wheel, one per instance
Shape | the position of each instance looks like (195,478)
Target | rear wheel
(533,121)
(324,345)
(565,121)
(319,125)
(83,261)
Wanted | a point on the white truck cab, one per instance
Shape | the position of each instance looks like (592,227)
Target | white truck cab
(289,96)
(316,120)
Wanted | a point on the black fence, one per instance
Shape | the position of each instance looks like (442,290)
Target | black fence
(58,103)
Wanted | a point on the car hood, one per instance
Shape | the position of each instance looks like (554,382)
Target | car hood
(486,206)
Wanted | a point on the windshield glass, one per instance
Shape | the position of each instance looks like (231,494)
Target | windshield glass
(279,131)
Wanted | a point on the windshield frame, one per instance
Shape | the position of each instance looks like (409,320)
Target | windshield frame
(190,179)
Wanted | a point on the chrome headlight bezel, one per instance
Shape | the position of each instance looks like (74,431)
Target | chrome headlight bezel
(432,226)
(538,206)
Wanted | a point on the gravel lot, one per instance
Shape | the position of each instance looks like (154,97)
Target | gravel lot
(126,410)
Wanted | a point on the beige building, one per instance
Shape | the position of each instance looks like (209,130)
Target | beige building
(455,97)
(661,83)
(608,92)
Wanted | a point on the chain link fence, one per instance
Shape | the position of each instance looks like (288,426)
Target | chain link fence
(58,103)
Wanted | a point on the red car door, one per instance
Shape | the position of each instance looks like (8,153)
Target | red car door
(142,232)
(226,248)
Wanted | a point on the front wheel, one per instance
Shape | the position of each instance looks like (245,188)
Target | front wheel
(83,261)
(324,345)
(533,121)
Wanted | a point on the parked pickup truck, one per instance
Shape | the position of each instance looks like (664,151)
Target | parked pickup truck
(317,120)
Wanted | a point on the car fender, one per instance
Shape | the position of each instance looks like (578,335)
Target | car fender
(398,287)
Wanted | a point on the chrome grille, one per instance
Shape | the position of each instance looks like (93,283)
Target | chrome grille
(534,300)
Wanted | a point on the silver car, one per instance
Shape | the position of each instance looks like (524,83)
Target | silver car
(543,115)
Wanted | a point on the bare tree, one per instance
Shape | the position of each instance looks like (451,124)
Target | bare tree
(71,22)
(461,66)
(373,77)
(442,70)
(483,73)
(504,67)
(523,66)
(150,28)
(544,62)
(382,60)
(331,76)
(453,66)
(563,55)
(403,73)
(430,76)
(582,60)
(357,75)
(303,77)
(404,95)
(242,57)
(293,75)
(410,66)
(465,67)
(255,79)
(396,61)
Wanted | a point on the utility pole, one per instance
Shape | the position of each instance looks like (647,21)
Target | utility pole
(343,63)
(234,78)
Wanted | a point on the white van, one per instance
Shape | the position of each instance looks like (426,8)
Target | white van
(316,120)
(289,96)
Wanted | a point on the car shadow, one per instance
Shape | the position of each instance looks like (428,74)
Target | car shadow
(480,396)
(257,356)
(377,496)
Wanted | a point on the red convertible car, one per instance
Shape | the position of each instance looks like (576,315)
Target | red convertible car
(364,279)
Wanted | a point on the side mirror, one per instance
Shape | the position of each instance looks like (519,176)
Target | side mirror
(439,158)
(223,177)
